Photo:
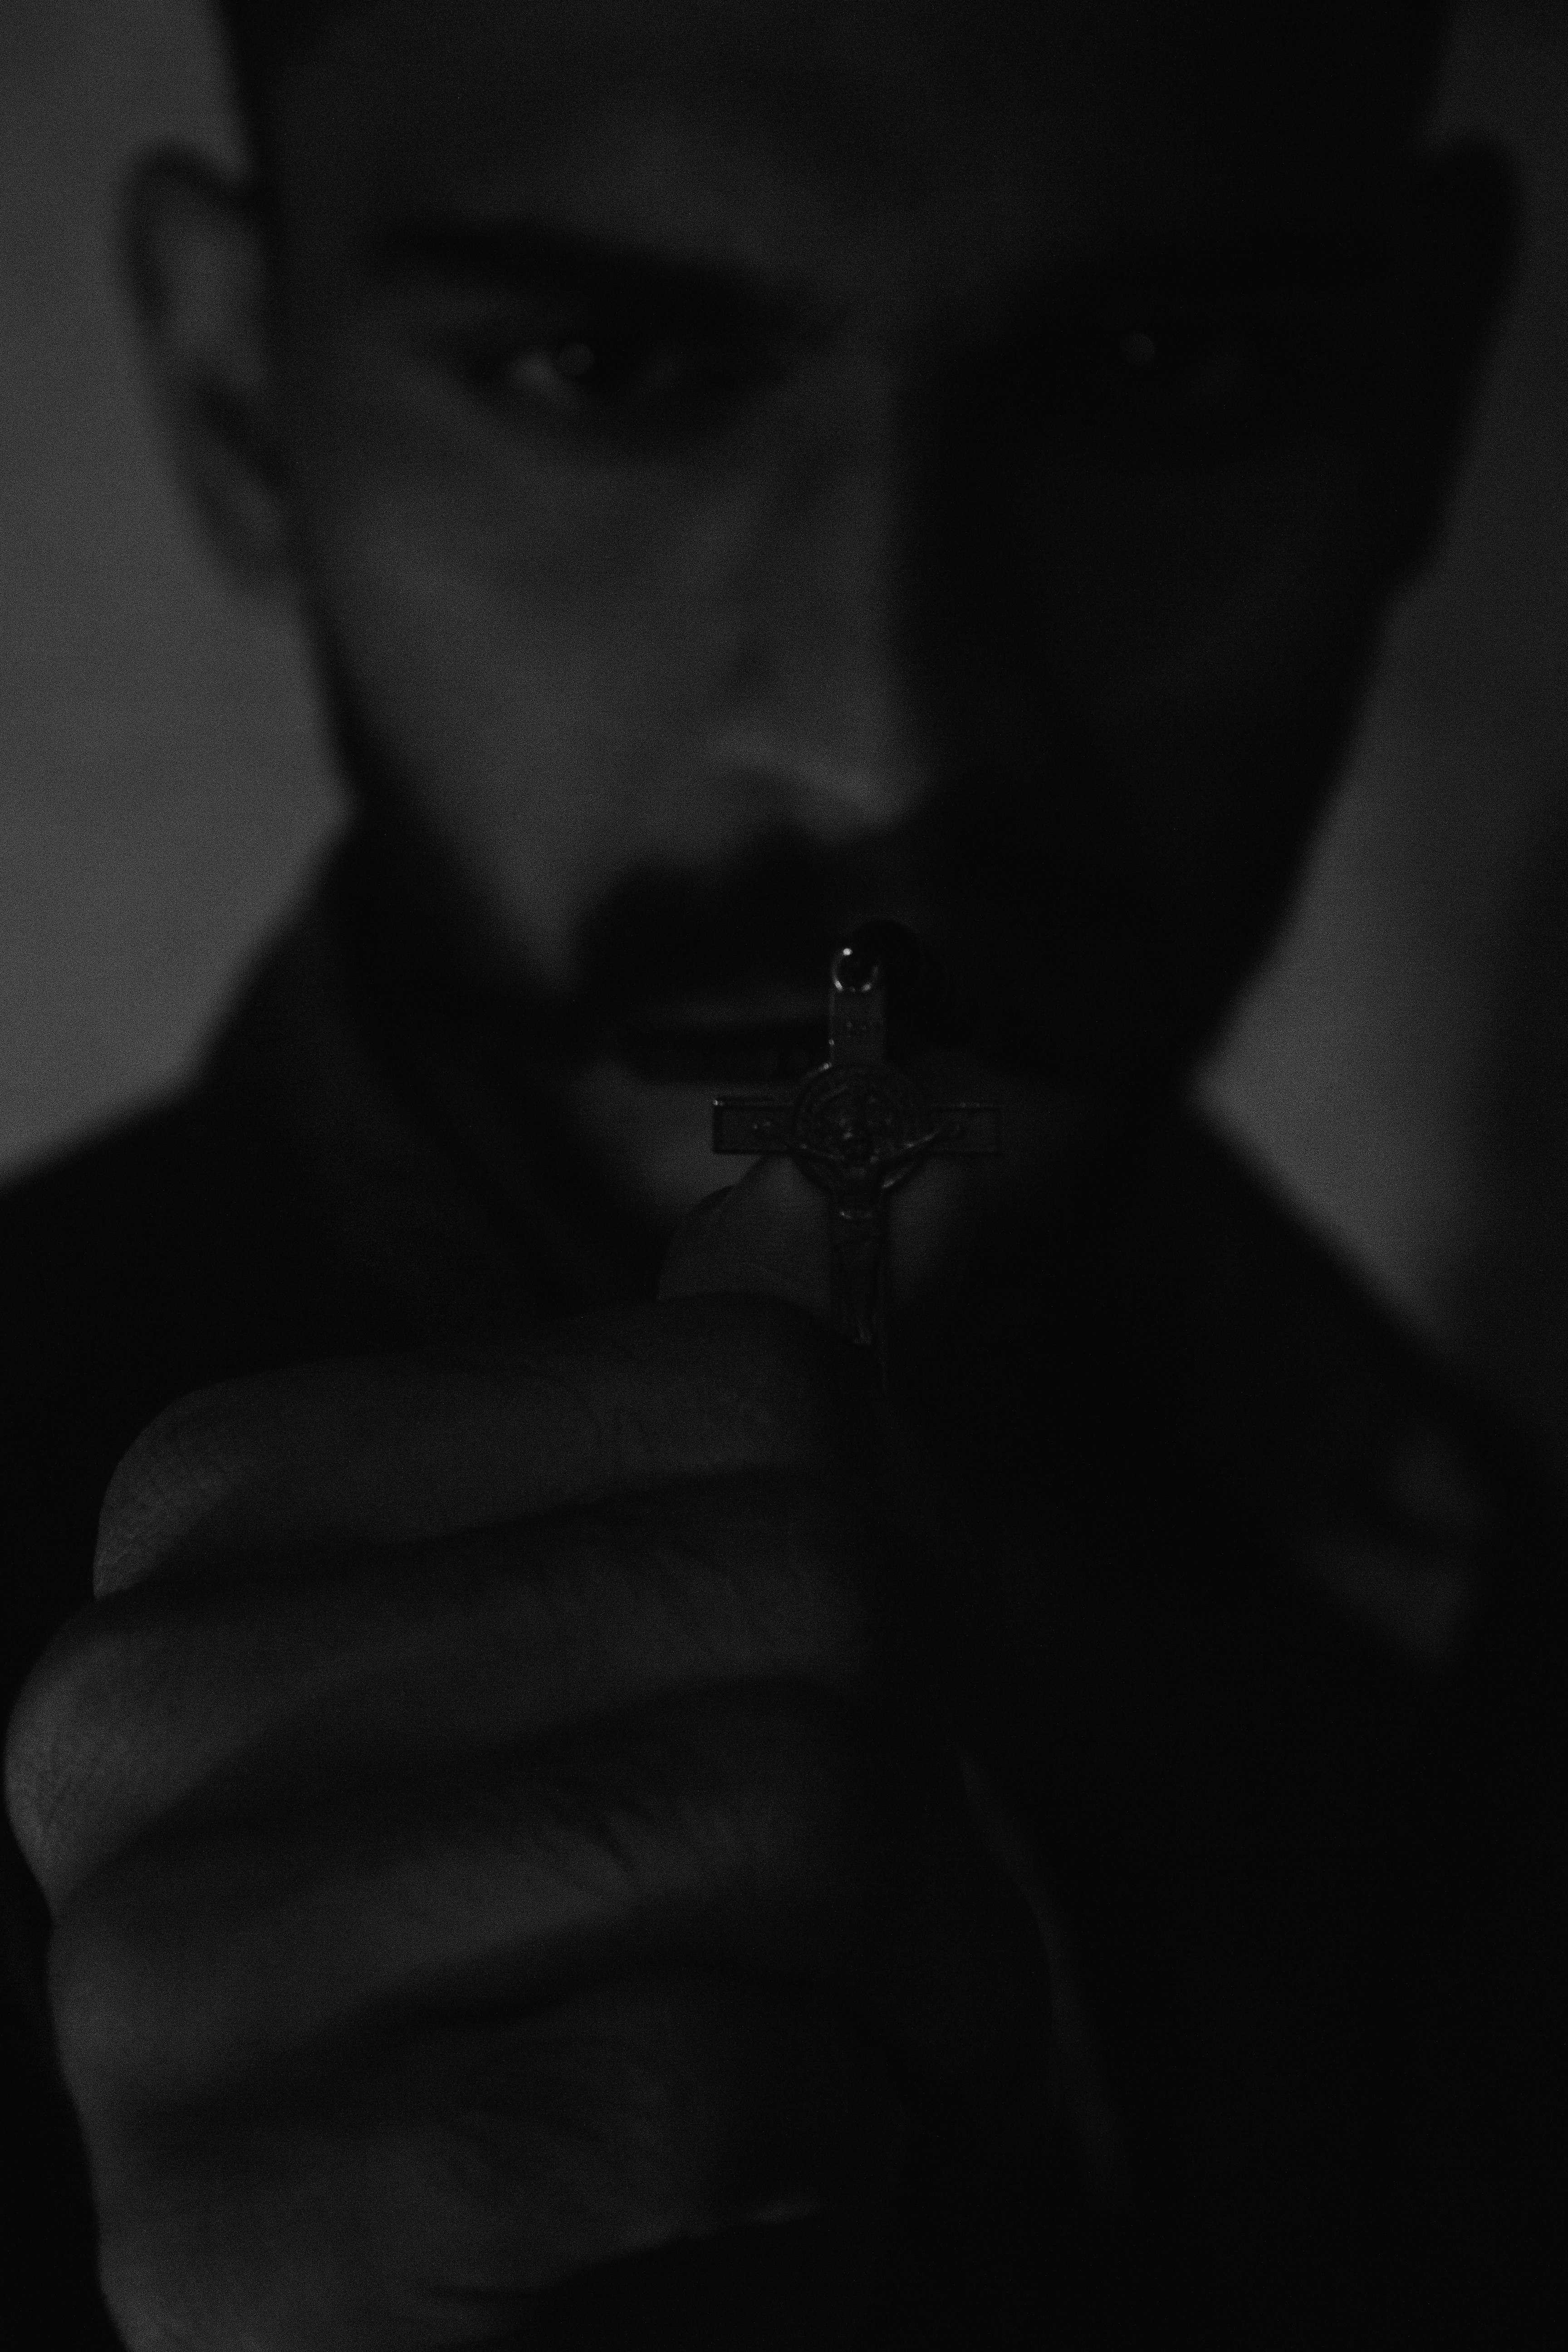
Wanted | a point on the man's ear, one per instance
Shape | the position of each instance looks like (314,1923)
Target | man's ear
(199,263)
(1454,267)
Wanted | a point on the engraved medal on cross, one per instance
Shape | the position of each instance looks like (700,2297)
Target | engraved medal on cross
(857,1127)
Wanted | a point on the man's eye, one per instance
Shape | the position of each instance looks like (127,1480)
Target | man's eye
(1205,370)
(1187,377)
(1190,382)
(626,381)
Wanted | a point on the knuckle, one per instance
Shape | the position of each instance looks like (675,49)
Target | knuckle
(87,1740)
(177,1472)
(148,2292)
(155,2277)
(182,2271)
(241,2231)
(68,1734)
(92,2005)
(137,2023)
(38,1746)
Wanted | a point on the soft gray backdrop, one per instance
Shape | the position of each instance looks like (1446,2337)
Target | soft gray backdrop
(163,791)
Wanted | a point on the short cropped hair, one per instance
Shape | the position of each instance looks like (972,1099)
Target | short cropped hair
(261,36)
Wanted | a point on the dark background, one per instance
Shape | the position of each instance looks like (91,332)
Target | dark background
(163,791)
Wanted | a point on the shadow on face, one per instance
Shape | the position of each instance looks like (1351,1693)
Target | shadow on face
(750,468)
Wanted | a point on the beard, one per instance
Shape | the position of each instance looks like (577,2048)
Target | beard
(1014,925)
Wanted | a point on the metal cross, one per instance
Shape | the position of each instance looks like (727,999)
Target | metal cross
(857,1127)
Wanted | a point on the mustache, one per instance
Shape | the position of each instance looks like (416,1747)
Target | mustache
(995,937)
(761,926)
(1021,930)
(1010,953)
(666,958)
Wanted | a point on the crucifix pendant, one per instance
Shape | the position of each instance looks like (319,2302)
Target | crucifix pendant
(857,1127)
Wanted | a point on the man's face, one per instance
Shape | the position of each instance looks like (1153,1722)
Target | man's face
(758,465)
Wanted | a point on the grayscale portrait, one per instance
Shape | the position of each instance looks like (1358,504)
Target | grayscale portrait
(783,1174)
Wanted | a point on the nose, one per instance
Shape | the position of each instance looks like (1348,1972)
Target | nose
(821,707)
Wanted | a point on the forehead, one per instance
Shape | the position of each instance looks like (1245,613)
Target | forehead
(936,136)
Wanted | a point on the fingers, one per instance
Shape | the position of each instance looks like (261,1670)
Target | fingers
(398,1450)
(505,1635)
(425,2200)
(755,1826)
(768,1235)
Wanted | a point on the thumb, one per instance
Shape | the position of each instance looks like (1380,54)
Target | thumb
(771,1234)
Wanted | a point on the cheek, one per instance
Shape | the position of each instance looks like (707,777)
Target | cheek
(1181,590)
(518,643)
(1212,632)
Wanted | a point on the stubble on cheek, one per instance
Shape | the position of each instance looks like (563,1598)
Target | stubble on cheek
(537,660)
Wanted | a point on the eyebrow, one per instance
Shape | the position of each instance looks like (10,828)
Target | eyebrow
(1315,254)
(522,256)
(535,257)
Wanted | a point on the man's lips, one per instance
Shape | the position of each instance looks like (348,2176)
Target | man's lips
(766,1033)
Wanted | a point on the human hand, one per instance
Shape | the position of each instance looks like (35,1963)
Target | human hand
(499,1817)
